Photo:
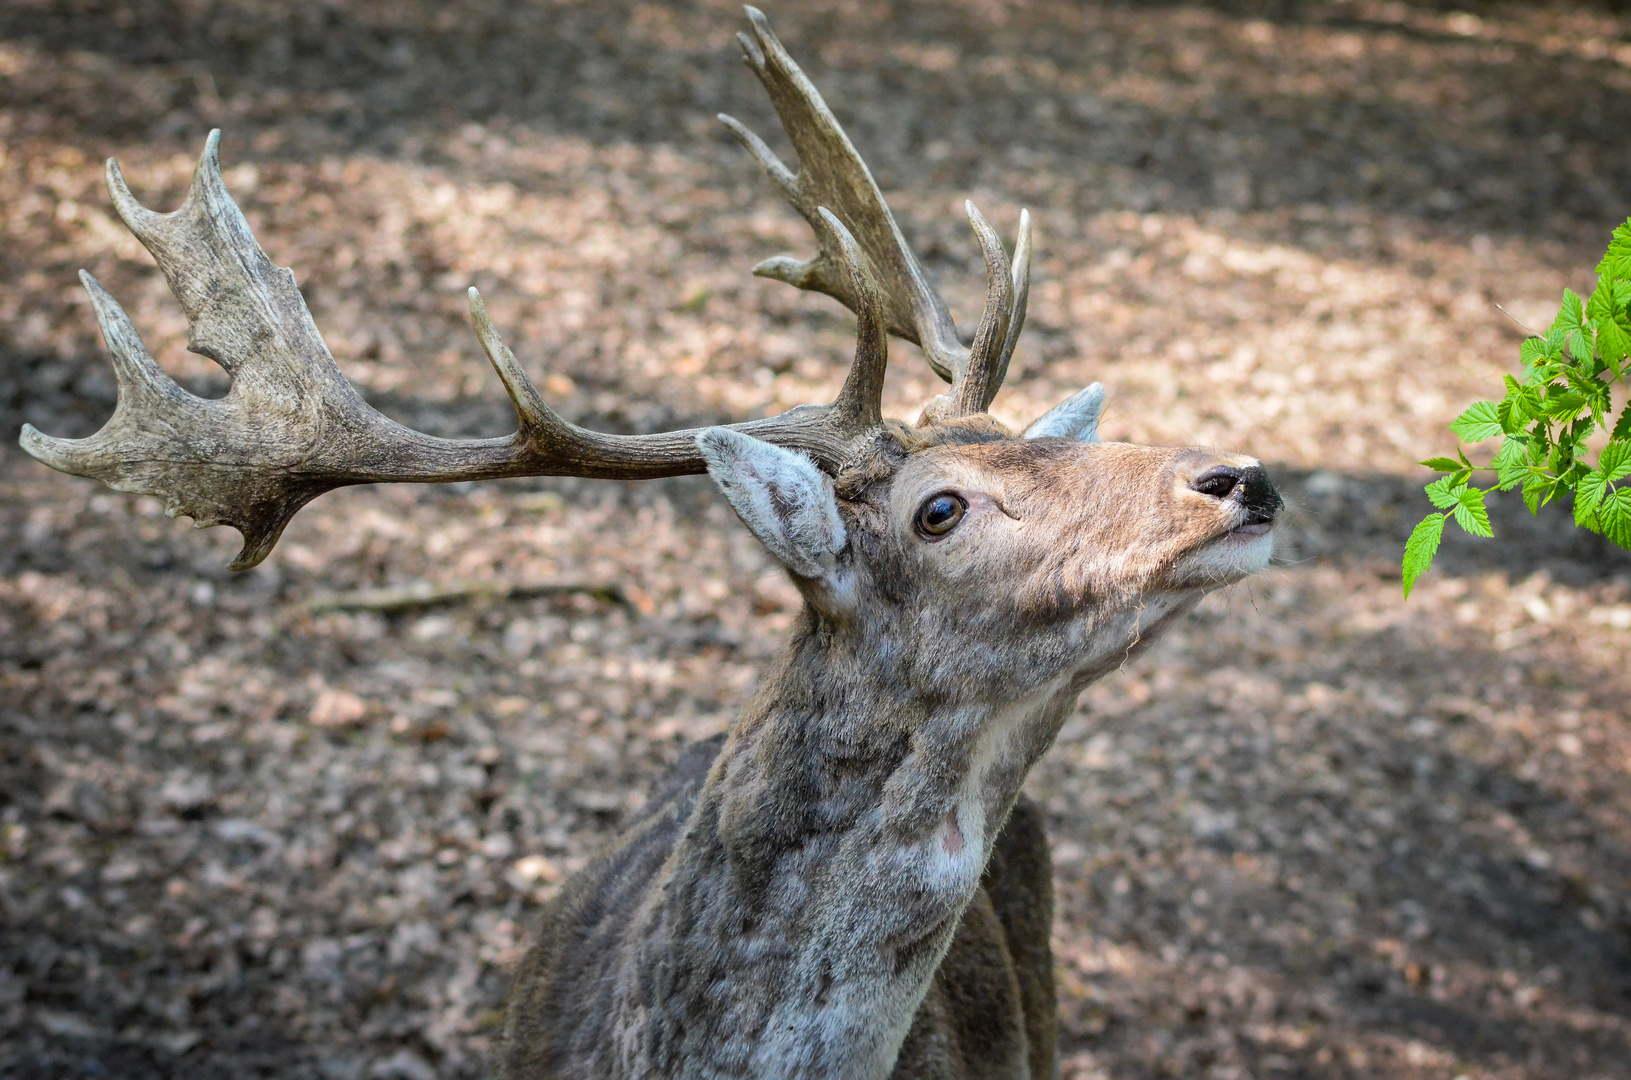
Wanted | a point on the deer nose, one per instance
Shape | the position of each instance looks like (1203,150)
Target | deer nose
(1250,487)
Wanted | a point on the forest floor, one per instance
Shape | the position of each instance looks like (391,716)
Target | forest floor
(1317,832)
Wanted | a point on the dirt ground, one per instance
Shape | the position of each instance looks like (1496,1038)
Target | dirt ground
(1319,832)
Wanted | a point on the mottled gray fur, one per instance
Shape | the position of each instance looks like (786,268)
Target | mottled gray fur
(823,900)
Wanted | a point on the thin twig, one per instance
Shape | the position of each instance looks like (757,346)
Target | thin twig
(427,594)
(1517,320)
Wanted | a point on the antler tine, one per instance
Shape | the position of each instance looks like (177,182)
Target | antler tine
(859,405)
(976,384)
(1022,293)
(142,384)
(292,427)
(831,173)
(1007,290)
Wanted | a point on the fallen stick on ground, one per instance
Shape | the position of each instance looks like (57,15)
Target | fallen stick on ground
(427,594)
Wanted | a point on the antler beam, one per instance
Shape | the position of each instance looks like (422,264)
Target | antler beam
(292,427)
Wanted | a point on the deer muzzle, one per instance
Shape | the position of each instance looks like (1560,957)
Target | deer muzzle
(1249,487)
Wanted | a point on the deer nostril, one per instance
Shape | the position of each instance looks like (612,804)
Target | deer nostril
(1218,482)
(1259,497)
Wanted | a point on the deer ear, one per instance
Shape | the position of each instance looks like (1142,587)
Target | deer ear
(781,496)
(1076,417)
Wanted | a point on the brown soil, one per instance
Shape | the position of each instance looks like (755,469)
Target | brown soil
(1319,832)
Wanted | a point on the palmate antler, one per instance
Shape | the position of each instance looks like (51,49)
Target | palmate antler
(292,427)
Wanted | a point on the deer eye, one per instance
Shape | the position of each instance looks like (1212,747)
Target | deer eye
(940,514)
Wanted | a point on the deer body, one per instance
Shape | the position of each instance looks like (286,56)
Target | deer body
(817,959)
(843,888)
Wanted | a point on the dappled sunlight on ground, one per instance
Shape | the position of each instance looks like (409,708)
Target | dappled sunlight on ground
(1318,832)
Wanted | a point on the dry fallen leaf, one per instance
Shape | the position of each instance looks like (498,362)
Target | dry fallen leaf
(337,708)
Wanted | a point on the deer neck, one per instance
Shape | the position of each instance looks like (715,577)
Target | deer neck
(833,850)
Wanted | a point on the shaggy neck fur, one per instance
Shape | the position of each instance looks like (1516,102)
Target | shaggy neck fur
(835,845)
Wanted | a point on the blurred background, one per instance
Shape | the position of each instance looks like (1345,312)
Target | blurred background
(249,829)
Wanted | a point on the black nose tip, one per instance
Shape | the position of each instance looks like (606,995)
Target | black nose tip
(1249,487)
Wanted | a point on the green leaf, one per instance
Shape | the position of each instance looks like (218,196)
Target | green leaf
(1593,390)
(1470,512)
(1580,344)
(1540,443)
(1420,549)
(1478,423)
(1587,494)
(1615,461)
(1616,261)
(1613,345)
(1537,491)
(1600,305)
(1545,418)
(1606,309)
(1560,405)
(1571,320)
(1444,492)
(1517,408)
(1570,444)
(1570,315)
(1556,339)
(1614,515)
(1511,462)
(1532,401)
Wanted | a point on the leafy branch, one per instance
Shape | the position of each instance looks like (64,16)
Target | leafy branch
(1544,421)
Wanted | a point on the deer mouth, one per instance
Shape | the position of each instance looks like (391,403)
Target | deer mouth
(1239,541)
(1236,554)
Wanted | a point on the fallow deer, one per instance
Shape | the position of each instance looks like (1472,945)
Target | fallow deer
(849,884)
